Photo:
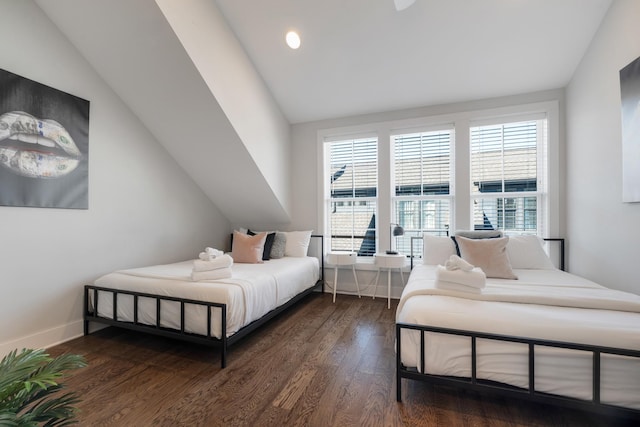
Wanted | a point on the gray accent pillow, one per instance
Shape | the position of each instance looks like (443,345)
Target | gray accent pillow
(488,254)
(479,234)
(279,244)
(475,234)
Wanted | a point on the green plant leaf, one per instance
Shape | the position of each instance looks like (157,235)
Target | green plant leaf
(29,384)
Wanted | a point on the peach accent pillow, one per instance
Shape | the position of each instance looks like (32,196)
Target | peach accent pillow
(248,249)
(488,254)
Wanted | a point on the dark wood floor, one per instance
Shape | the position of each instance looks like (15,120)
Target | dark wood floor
(319,364)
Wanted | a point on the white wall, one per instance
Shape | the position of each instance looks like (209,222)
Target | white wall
(143,208)
(603,233)
(137,52)
(305,165)
(237,86)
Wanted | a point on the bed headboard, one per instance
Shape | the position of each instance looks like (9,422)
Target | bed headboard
(558,240)
(316,249)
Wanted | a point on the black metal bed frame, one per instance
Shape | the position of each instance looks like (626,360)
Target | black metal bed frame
(209,340)
(559,240)
(474,383)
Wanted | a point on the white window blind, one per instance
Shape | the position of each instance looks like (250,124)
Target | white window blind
(422,184)
(501,174)
(507,187)
(353,191)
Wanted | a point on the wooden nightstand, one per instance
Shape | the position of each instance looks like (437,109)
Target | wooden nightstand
(389,262)
(342,258)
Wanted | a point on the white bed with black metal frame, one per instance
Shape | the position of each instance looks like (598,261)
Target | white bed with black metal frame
(162,300)
(572,352)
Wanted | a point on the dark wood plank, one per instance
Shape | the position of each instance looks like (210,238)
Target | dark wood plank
(319,364)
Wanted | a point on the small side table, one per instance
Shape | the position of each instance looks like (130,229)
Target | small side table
(388,261)
(342,258)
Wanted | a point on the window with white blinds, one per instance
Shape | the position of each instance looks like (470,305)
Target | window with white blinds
(496,168)
(507,183)
(422,174)
(352,199)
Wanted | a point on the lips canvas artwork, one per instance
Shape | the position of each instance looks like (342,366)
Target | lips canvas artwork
(44,145)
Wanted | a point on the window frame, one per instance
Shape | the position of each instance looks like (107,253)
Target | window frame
(461,215)
(396,199)
(542,177)
(327,140)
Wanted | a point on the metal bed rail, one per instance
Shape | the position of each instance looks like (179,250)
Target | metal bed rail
(560,241)
(474,383)
(321,256)
(91,315)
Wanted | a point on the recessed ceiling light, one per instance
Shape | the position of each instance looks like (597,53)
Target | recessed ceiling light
(403,4)
(293,40)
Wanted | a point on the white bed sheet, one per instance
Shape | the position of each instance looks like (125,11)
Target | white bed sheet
(251,292)
(558,371)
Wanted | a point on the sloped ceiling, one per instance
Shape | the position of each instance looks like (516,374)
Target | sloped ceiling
(363,56)
(186,80)
(138,53)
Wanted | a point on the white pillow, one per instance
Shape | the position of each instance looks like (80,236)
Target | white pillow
(297,243)
(437,249)
(526,251)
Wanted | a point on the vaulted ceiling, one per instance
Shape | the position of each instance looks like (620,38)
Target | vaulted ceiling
(363,56)
(182,72)
(215,83)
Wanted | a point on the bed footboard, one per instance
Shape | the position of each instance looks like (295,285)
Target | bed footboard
(530,393)
(91,294)
(208,338)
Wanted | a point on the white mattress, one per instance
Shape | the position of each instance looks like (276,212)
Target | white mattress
(558,371)
(251,292)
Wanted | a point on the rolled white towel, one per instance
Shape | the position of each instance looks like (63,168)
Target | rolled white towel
(213,252)
(443,284)
(475,278)
(210,253)
(224,261)
(456,263)
(217,274)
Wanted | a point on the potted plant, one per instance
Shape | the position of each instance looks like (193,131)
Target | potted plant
(30,389)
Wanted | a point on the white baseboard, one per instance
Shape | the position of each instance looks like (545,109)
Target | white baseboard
(45,339)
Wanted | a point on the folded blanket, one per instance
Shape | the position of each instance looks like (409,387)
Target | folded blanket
(223,261)
(210,253)
(456,263)
(457,287)
(565,291)
(219,273)
(474,278)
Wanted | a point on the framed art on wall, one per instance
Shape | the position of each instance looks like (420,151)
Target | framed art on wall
(630,94)
(44,145)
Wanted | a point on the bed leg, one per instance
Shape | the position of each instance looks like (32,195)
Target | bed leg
(85,308)
(398,366)
(223,357)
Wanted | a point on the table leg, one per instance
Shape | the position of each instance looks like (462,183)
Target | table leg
(355,276)
(335,282)
(375,290)
(389,288)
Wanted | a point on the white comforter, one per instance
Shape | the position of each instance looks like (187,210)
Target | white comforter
(545,304)
(251,292)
